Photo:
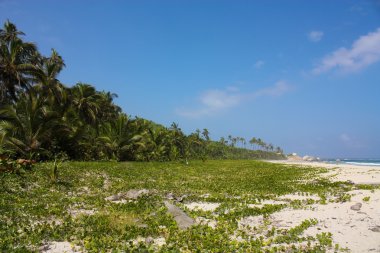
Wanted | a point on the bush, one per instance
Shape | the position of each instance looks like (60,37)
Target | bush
(15,166)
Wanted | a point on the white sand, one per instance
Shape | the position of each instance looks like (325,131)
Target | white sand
(155,242)
(268,202)
(78,212)
(291,197)
(349,228)
(204,206)
(357,230)
(60,247)
(208,222)
(358,174)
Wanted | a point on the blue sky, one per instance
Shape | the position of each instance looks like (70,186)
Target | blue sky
(304,75)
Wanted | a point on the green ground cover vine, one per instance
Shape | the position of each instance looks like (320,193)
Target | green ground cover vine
(34,210)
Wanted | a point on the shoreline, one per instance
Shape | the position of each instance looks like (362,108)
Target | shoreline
(358,174)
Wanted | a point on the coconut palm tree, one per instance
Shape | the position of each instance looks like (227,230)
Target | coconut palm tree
(45,77)
(17,60)
(157,144)
(29,126)
(206,134)
(85,100)
(108,110)
(253,141)
(119,139)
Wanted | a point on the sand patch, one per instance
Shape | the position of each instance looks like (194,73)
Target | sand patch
(358,230)
(203,206)
(60,247)
(268,202)
(208,222)
(133,194)
(156,243)
(78,212)
(106,182)
(292,197)
(252,224)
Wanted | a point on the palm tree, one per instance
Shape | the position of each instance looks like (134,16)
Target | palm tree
(260,143)
(181,142)
(206,134)
(253,141)
(230,139)
(109,111)
(85,100)
(244,142)
(234,141)
(16,62)
(158,145)
(29,126)
(45,77)
(119,141)
(198,133)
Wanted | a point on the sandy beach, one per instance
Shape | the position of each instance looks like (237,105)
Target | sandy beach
(357,174)
(354,224)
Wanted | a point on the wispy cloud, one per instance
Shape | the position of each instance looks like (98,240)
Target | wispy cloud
(276,90)
(345,138)
(218,100)
(350,142)
(258,64)
(363,52)
(315,36)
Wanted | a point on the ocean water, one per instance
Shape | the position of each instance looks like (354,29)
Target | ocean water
(363,162)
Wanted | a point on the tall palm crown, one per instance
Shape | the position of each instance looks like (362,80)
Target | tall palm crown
(86,100)
(16,62)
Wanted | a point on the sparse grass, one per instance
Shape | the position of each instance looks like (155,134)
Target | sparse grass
(34,210)
(366,199)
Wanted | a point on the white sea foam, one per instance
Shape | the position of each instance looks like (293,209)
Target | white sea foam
(363,163)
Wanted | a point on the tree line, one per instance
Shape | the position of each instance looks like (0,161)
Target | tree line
(41,118)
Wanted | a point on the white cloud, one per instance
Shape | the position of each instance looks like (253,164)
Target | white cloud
(213,101)
(315,36)
(258,64)
(278,89)
(363,52)
(217,100)
(350,142)
(345,138)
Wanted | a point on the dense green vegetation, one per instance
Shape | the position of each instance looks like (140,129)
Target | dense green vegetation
(71,206)
(43,119)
